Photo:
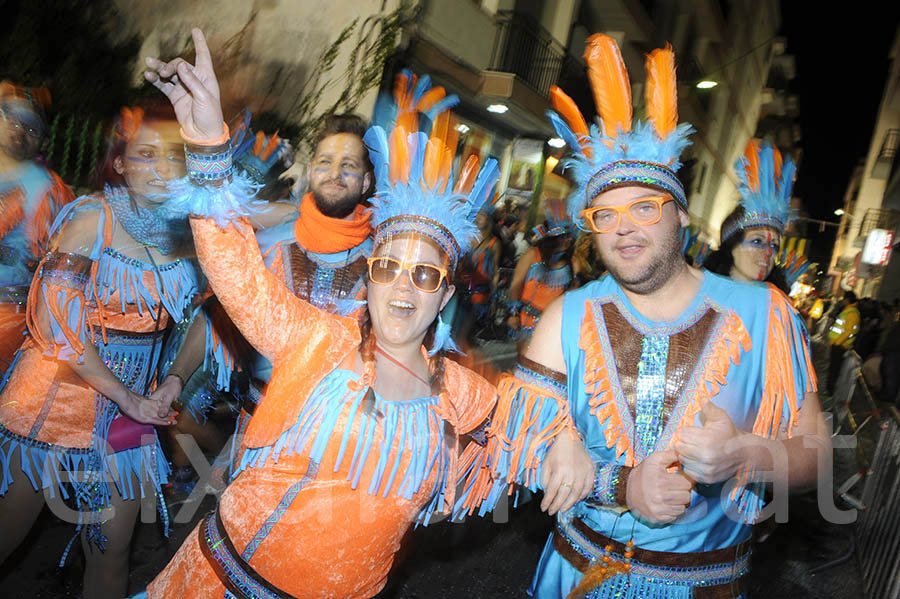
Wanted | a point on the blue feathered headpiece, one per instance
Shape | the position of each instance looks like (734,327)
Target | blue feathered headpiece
(255,153)
(766,182)
(616,153)
(415,190)
(557,222)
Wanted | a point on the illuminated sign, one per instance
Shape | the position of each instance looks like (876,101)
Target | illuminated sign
(878,247)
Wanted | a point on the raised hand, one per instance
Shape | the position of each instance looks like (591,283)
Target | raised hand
(193,90)
(567,474)
(708,453)
(655,491)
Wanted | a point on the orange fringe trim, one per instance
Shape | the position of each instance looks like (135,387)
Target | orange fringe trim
(39,224)
(727,351)
(483,460)
(524,457)
(778,386)
(597,386)
(11,212)
(780,376)
(35,298)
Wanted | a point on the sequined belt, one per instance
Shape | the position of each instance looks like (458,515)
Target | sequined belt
(14,295)
(717,574)
(233,571)
(120,337)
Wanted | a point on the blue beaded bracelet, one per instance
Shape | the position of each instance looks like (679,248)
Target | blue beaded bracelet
(208,167)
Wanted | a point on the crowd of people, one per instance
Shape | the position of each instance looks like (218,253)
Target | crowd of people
(333,323)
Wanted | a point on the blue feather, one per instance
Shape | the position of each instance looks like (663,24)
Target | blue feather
(443,339)
(562,129)
(417,143)
(377,141)
(446,103)
(422,87)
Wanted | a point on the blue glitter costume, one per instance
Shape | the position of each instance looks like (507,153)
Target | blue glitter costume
(631,384)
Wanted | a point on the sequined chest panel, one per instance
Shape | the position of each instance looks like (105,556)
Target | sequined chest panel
(653,372)
(322,284)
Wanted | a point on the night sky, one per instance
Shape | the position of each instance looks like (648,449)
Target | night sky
(842,65)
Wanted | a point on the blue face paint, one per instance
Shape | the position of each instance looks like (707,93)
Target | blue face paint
(557,257)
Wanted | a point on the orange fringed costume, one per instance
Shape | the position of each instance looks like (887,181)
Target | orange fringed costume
(542,285)
(331,476)
(30,199)
(52,423)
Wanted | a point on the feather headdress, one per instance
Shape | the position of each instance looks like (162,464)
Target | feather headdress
(415,188)
(557,221)
(766,182)
(255,153)
(619,151)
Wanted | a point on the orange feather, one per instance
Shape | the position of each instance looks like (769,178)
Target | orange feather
(260,138)
(399,164)
(430,98)
(752,167)
(610,83)
(448,144)
(433,151)
(661,92)
(566,107)
(401,87)
(432,166)
(270,147)
(468,175)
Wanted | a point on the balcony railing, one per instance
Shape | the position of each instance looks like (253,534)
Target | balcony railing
(876,218)
(523,47)
(886,156)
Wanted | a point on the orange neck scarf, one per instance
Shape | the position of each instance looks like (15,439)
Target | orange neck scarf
(322,234)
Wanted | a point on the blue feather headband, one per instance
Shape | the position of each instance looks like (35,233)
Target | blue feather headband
(623,152)
(638,157)
(765,189)
(413,193)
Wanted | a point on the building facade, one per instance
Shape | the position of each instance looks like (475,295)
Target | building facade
(862,258)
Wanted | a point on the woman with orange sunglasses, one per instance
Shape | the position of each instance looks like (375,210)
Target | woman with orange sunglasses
(348,447)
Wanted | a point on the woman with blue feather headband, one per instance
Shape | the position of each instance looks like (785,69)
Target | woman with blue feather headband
(752,235)
(347,449)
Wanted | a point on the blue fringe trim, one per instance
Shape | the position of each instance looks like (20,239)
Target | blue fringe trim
(55,469)
(413,424)
(639,587)
(217,359)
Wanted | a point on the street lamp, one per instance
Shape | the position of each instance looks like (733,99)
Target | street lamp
(839,212)
(706,84)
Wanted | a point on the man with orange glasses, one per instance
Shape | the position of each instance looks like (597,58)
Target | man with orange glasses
(650,404)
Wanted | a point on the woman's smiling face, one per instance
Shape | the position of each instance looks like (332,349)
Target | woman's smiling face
(401,313)
(754,257)
(153,157)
